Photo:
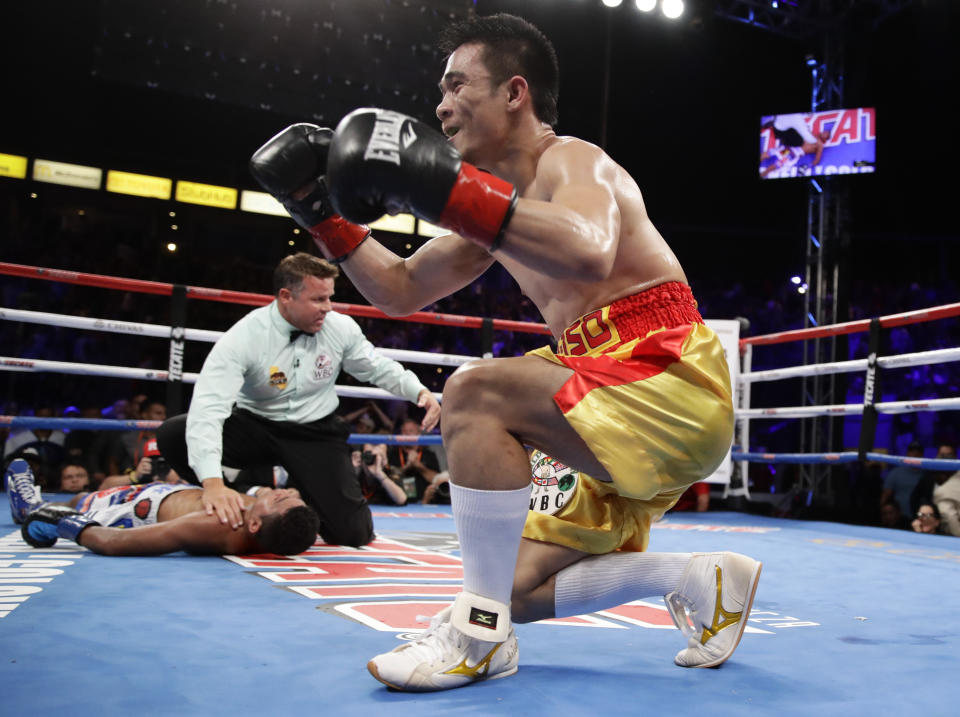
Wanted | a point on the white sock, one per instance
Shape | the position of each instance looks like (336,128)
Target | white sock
(604,581)
(489,526)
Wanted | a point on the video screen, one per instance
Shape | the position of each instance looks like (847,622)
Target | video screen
(814,144)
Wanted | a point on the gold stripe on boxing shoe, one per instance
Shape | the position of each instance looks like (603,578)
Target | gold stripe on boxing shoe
(729,618)
(474,672)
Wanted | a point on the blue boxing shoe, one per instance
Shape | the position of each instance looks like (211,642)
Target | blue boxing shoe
(22,490)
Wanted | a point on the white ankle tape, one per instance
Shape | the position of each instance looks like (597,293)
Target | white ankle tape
(481,617)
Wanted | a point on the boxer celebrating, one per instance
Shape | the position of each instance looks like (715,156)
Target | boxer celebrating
(636,396)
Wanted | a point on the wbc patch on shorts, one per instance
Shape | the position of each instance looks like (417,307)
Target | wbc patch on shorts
(552,483)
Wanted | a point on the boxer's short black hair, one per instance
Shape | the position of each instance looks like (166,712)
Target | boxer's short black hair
(512,46)
(291,532)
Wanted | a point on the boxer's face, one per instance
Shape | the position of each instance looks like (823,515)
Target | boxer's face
(471,111)
(308,306)
(275,501)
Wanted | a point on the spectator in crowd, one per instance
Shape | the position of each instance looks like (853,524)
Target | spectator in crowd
(378,482)
(107,454)
(135,442)
(927,520)
(892,517)
(47,443)
(151,467)
(439,489)
(369,418)
(901,480)
(923,493)
(8,408)
(695,498)
(416,463)
(74,478)
(78,445)
(946,497)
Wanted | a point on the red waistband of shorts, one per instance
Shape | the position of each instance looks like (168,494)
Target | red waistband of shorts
(663,306)
(633,317)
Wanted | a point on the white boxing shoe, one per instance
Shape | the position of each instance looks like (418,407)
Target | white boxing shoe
(444,657)
(711,606)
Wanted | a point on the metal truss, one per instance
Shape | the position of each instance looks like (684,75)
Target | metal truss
(803,19)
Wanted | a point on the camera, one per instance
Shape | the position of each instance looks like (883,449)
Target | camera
(160,467)
(369,458)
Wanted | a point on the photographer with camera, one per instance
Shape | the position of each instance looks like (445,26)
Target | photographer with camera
(420,468)
(439,489)
(379,482)
(151,467)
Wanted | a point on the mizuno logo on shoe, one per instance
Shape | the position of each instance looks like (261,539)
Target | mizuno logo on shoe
(728,618)
(483,618)
(479,670)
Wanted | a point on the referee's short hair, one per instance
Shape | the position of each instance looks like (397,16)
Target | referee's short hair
(290,272)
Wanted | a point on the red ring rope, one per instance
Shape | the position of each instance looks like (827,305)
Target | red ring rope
(244,297)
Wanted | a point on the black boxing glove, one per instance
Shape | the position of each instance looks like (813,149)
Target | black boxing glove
(295,158)
(382,161)
(43,526)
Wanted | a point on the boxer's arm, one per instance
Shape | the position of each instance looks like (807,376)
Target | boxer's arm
(400,286)
(570,231)
(574,232)
(195,533)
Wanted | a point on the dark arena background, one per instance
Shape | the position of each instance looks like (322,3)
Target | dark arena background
(848,617)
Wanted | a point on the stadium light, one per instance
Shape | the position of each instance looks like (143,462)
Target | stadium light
(612,3)
(646,5)
(672,9)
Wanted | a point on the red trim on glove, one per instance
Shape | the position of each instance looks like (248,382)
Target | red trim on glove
(479,207)
(339,236)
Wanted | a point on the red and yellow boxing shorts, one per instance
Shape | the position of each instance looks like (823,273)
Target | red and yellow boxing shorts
(650,395)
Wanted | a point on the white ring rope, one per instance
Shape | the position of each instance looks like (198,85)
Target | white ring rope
(163,332)
(937,356)
(933,404)
(87,369)
(921,358)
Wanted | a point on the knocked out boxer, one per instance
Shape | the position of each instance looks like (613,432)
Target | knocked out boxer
(159,518)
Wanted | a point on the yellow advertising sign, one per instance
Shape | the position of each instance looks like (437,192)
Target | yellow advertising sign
(426,229)
(72,175)
(261,203)
(139,185)
(208,195)
(12,165)
(399,223)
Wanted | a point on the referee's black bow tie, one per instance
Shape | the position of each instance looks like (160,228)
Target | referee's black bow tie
(294,335)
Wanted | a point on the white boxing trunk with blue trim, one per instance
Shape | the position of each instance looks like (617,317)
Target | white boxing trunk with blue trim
(128,506)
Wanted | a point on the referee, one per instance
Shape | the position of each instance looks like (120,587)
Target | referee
(266,396)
